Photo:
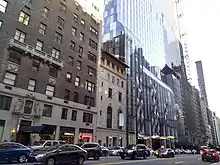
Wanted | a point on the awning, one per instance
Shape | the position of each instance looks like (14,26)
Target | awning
(36,129)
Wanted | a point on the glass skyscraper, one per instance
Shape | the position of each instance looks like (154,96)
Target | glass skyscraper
(139,33)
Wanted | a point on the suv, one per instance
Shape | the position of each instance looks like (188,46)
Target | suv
(135,151)
(46,143)
(93,149)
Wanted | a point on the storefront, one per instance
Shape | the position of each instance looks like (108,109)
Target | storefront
(67,134)
(85,135)
(2,125)
(49,135)
(23,137)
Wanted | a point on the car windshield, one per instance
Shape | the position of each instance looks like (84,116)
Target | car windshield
(129,147)
(162,150)
(80,144)
(39,143)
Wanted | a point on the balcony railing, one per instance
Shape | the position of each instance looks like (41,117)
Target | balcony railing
(30,49)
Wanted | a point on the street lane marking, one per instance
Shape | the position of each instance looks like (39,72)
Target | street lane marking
(179,162)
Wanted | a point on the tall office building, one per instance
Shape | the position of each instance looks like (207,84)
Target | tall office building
(201,81)
(134,32)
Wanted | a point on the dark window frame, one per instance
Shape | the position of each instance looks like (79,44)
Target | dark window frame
(64,114)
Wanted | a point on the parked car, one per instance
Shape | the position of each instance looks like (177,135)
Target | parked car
(105,151)
(135,151)
(151,151)
(115,151)
(13,152)
(165,153)
(177,151)
(93,149)
(46,143)
(188,151)
(194,151)
(210,155)
(59,154)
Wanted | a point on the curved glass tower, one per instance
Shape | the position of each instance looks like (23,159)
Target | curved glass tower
(139,33)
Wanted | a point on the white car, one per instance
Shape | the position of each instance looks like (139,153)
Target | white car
(46,143)
(115,151)
(194,151)
(188,151)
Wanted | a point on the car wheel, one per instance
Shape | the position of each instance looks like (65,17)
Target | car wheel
(135,157)
(96,157)
(50,161)
(145,156)
(122,157)
(172,155)
(203,160)
(118,154)
(81,161)
(22,158)
(217,160)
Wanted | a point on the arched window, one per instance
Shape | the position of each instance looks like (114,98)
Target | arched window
(109,117)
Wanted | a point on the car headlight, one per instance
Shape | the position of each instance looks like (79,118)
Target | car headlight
(39,156)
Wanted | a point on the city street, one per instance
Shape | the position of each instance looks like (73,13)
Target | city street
(178,160)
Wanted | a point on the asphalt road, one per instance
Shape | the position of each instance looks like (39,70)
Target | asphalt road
(178,160)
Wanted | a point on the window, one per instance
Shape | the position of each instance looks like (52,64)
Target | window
(93,31)
(70,61)
(79,65)
(28,107)
(72,45)
(77,81)
(76,97)
(113,66)
(93,44)
(122,84)
(60,21)
(31,85)
(110,93)
(35,65)
(102,84)
(89,101)
(90,86)
(19,36)
(68,77)
(62,8)
(113,79)
(5,101)
(3,5)
(67,94)
(24,18)
(75,17)
(42,28)
(50,90)
(10,78)
(82,22)
(87,117)
(74,115)
(55,53)
(15,57)
(47,111)
(45,12)
(58,38)
(108,62)
(64,113)
(122,71)
(80,51)
(117,81)
(73,31)
(1,24)
(108,76)
(109,117)
(91,71)
(39,45)
(53,71)
(92,57)
(81,36)
(119,96)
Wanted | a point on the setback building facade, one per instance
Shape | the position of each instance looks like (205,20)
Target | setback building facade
(48,78)
(125,35)
(111,128)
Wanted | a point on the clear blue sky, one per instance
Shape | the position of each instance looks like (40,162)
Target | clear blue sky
(203,32)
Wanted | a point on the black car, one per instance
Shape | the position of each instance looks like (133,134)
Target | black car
(135,151)
(93,149)
(210,155)
(105,151)
(62,154)
(166,153)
